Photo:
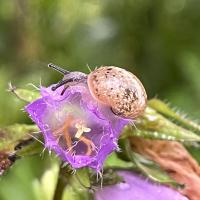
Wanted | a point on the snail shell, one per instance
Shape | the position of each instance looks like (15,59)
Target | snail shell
(119,89)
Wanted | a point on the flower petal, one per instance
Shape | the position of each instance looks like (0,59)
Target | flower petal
(136,187)
(79,129)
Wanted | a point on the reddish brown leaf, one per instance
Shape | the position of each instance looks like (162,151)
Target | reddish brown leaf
(175,159)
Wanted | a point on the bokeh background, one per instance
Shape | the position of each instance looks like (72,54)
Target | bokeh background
(159,41)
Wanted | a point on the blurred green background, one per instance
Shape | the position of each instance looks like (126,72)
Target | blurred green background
(159,41)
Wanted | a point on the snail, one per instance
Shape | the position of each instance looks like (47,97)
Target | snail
(115,87)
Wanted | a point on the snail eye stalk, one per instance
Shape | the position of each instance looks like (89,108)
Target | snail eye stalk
(59,69)
(62,82)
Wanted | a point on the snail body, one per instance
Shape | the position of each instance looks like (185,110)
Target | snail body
(112,86)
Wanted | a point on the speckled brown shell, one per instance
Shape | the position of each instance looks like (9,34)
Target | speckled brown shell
(119,89)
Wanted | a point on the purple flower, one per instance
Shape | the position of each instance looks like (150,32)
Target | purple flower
(137,188)
(79,129)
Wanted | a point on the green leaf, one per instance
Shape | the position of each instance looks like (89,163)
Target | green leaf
(152,170)
(35,147)
(83,177)
(18,183)
(113,161)
(78,187)
(176,117)
(16,140)
(14,134)
(24,94)
(160,122)
(148,167)
(109,177)
(155,126)
(44,189)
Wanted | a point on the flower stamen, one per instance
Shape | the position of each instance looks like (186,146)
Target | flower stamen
(64,130)
(90,145)
(81,128)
